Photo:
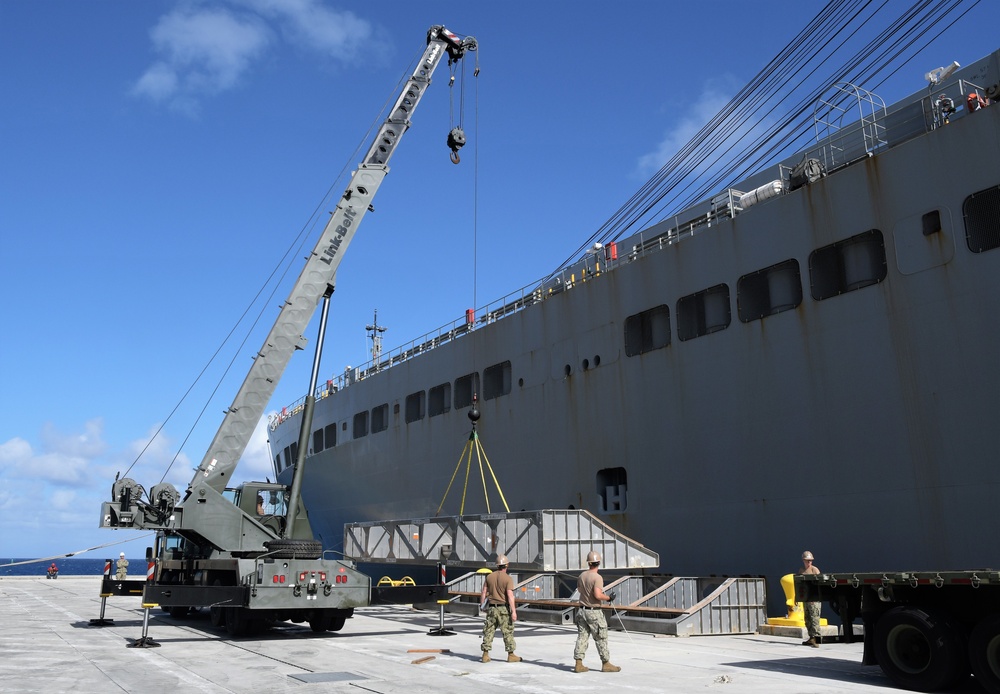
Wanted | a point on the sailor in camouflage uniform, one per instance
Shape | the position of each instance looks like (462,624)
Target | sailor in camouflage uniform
(590,619)
(498,598)
(812,609)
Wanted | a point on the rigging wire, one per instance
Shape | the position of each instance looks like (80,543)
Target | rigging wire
(685,178)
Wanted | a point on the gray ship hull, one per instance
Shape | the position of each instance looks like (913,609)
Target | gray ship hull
(862,426)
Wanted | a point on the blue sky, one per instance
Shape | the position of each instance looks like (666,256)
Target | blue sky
(159,158)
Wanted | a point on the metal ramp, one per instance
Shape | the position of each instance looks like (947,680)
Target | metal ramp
(690,606)
(678,606)
(547,540)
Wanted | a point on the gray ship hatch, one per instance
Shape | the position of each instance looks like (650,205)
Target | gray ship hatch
(547,540)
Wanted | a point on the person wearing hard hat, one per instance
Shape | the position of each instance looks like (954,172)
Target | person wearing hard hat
(811,609)
(590,619)
(121,567)
(501,611)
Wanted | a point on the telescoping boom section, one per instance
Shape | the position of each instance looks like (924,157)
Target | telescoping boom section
(234,547)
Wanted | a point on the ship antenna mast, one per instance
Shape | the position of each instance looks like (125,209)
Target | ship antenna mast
(375,335)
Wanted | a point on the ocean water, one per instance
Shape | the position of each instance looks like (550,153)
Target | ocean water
(67,567)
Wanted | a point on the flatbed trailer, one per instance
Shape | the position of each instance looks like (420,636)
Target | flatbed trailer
(927,630)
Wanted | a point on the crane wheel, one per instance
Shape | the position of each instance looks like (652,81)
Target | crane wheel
(294,549)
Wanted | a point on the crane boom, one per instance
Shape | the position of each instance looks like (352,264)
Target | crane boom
(321,266)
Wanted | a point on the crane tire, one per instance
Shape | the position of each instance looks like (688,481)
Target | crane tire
(984,653)
(294,549)
(920,649)
(339,619)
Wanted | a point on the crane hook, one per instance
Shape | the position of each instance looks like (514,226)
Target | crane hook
(456,140)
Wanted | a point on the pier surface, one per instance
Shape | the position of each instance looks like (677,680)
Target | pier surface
(48,645)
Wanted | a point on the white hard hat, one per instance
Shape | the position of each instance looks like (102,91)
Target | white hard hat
(121,554)
(501,561)
(807,555)
(593,557)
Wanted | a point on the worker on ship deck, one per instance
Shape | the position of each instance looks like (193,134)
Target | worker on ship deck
(121,567)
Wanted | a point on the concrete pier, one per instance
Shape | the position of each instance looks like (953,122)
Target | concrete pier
(48,645)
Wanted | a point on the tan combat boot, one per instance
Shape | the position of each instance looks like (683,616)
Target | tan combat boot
(811,642)
(608,667)
(511,658)
(580,667)
(486,657)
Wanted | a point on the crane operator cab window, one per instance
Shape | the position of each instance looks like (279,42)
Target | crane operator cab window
(272,503)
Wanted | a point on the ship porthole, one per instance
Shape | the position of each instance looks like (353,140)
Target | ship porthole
(597,360)
(567,369)
(586,364)
(520,383)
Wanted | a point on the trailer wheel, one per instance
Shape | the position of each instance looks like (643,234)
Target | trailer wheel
(320,621)
(216,617)
(984,653)
(919,649)
(295,549)
(237,621)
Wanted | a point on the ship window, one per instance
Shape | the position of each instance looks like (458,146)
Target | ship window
(288,456)
(496,380)
(703,312)
(647,331)
(612,488)
(277,463)
(361,424)
(465,388)
(317,441)
(331,435)
(291,453)
(982,220)
(847,265)
(415,407)
(771,290)
(439,399)
(380,418)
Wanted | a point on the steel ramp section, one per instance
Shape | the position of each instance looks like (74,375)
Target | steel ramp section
(690,606)
(538,597)
(546,540)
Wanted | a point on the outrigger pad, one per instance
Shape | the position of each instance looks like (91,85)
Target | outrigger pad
(143,642)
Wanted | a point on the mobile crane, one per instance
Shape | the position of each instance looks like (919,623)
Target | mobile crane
(215,546)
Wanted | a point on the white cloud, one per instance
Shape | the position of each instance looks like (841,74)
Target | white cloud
(697,112)
(62,460)
(207,48)
(339,34)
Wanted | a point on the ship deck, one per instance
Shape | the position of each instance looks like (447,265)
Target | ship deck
(48,645)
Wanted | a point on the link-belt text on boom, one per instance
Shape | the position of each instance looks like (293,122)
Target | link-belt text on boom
(338,236)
